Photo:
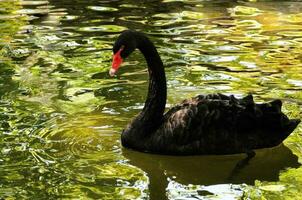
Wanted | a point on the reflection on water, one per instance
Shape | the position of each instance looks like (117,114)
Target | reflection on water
(209,170)
(61,114)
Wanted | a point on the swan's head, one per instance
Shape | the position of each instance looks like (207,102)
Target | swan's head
(122,48)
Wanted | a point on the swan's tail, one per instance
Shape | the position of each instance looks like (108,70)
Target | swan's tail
(290,127)
(276,119)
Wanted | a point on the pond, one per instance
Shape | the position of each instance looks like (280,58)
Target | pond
(62,115)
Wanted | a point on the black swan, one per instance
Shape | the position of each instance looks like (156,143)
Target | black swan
(206,124)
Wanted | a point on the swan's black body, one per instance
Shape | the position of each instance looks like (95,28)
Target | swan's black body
(206,124)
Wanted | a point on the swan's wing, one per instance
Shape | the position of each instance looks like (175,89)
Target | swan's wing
(223,124)
(186,122)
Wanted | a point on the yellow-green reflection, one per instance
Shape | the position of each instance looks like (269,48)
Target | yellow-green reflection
(61,114)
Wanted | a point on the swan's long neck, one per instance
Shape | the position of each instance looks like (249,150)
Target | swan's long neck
(152,113)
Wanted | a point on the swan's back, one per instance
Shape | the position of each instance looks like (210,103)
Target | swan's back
(220,124)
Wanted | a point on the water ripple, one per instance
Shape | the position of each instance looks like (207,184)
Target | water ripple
(62,115)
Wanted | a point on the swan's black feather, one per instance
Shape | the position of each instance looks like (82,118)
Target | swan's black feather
(220,124)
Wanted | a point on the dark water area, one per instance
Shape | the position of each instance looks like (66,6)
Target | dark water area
(62,115)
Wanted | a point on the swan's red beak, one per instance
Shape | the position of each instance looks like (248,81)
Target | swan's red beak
(116,62)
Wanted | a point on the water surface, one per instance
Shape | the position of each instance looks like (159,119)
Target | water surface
(61,114)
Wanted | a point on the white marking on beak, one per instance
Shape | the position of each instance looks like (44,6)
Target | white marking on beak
(112,72)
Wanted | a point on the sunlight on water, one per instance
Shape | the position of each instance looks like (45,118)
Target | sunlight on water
(61,114)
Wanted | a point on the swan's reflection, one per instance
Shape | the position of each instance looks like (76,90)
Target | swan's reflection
(209,170)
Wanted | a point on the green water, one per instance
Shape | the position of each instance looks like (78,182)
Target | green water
(61,114)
